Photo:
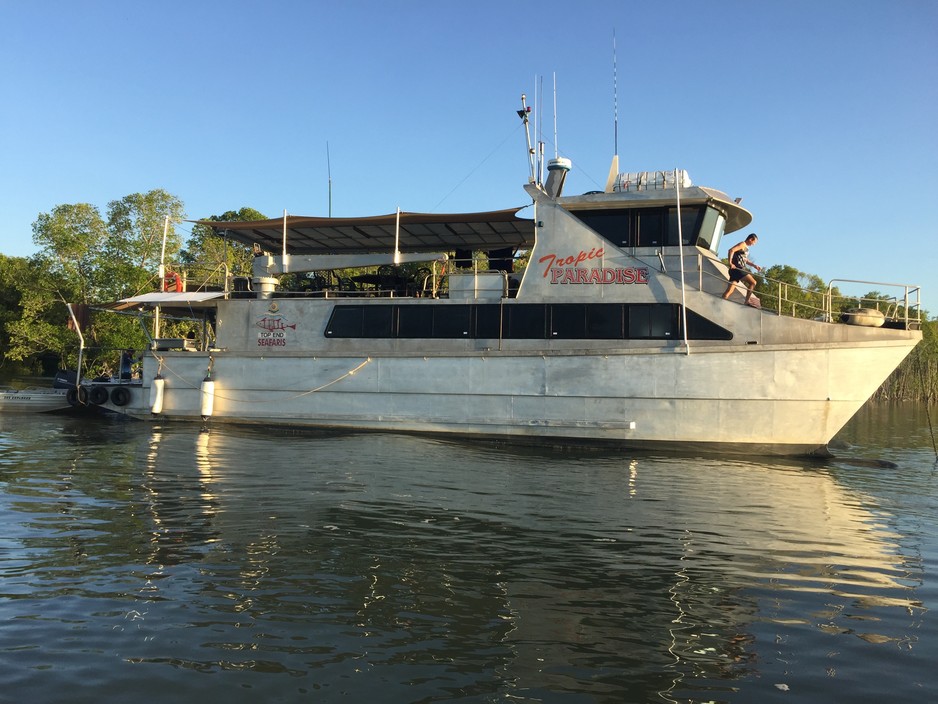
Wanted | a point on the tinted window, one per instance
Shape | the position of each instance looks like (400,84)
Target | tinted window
(527,321)
(650,228)
(699,328)
(451,321)
(654,321)
(568,321)
(346,321)
(488,321)
(415,321)
(376,321)
(690,224)
(605,321)
(644,227)
(613,225)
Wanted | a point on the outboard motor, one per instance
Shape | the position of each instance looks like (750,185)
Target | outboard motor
(65,379)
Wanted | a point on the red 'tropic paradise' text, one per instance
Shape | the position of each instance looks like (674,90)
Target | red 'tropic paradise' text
(565,270)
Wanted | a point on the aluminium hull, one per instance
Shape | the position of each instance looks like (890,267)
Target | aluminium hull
(33,401)
(786,400)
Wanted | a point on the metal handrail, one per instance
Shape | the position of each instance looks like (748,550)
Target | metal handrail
(909,300)
(908,290)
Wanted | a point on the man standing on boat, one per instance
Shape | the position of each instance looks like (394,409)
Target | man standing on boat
(739,261)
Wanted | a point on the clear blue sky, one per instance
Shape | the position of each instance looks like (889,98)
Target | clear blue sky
(821,114)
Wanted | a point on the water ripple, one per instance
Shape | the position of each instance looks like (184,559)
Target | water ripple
(164,563)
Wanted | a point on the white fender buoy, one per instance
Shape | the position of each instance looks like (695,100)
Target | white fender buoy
(208,396)
(867,317)
(156,394)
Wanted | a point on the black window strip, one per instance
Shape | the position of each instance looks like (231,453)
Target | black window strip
(558,321)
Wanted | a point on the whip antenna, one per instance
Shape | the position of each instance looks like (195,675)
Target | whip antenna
(329,174)
(556,145)
(615,98)
(614,167)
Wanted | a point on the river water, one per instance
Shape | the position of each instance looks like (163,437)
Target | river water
(171,563)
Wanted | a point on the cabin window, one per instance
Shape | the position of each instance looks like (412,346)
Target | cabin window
(699,328)
(586,321)
(360,321)
(525,322)
(450,321)
(644,227)
(415,321)
(691,217)
(613,225)
(653,321)
(605,321)
(488,321)
(711,230)
(649,228)
(376,321)
(346,321)
(568,321)
(558,321)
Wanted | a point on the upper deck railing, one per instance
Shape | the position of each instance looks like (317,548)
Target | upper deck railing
(900,304)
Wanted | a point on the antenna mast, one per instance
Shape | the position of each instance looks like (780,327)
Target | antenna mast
(615,97)
(538,116)
(614,167)
(524,113)
(329,173)
(556,145)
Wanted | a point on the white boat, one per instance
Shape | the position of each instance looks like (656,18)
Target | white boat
(33,400)
(59,396)
(615,332)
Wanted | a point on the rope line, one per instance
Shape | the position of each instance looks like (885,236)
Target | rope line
(279,399)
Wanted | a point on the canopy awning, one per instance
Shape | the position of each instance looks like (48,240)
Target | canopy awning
(170,299)
(419,232)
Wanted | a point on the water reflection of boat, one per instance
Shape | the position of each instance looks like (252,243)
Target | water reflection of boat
(549,569)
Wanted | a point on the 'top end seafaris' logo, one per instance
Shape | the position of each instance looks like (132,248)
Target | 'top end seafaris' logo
(566,270)
(273,331)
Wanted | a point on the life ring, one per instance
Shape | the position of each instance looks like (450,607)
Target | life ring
(172,282)
(98,395)
(120,396)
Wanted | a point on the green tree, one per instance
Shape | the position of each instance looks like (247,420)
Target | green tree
(13,272)
(136,225)
(793,292)
(207,255)
(70,239)
(84,260)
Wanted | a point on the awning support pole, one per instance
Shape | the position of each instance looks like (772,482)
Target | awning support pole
(162,274)
(680,241)
(286,259)
(397,237)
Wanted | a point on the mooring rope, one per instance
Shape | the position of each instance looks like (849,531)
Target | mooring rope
(279,399)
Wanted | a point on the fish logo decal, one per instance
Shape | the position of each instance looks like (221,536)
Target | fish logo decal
(274,323)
